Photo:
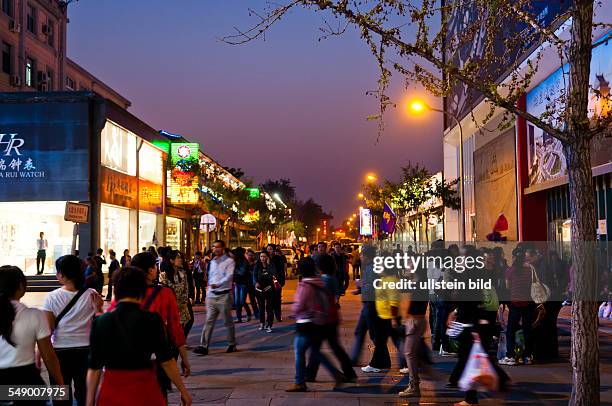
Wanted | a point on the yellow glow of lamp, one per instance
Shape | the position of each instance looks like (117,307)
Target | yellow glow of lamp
(370,177)
(360,196)
(418,106)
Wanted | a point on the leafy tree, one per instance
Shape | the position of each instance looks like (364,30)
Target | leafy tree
(282,187)
(403,38)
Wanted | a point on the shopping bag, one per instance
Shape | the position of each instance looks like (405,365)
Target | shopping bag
(478,371)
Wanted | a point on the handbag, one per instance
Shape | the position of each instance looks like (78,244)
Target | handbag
(539,291)
(478,371)
(277,285)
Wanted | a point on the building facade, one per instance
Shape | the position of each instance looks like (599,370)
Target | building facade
(34,57)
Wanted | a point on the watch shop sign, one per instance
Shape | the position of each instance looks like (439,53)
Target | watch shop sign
(44,151)
(14,161)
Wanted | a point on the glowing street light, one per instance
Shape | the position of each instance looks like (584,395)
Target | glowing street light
(360,196)
(370,177)
(418,106)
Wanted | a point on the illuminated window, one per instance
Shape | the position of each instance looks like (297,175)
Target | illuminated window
(29,72)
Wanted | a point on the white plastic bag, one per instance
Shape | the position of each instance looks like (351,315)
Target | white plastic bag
(478,371)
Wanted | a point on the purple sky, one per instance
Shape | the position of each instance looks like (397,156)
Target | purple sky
(291,106)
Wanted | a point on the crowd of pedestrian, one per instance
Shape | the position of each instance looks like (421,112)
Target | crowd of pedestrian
(136,350)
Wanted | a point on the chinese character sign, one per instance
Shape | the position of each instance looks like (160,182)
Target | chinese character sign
(185,167)
(365,221)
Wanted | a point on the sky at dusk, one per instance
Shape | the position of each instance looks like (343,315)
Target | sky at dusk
(291,106)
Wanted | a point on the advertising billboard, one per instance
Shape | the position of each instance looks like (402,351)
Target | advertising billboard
(545,158)
(365,221)
(44,151)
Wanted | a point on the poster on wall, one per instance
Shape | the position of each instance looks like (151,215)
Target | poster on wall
(44,151)
(545,157)
(495,185)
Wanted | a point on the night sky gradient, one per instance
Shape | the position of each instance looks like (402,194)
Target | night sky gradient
(291,106)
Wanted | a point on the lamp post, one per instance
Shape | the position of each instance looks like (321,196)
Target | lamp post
(419,106)
(318,229)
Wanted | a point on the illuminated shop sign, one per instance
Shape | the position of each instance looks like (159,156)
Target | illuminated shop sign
(365,221)
(184,173)
(118,148)
(44,151)
(254,192)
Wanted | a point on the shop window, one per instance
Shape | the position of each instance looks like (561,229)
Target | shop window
(7,58)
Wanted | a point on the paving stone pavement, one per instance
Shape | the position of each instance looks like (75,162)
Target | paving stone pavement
(263,368)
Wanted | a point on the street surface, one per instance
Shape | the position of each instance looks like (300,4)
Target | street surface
(263,368)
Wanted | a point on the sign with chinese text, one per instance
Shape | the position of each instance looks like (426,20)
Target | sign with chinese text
(151,196)
(184,181)
(117,188)
(44,151)
(76,212)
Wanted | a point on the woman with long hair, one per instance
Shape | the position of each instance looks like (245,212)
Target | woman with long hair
(241,276)
(263,277)
(70,310)
(126,259)
(122,343)
(21,329)
(174,277)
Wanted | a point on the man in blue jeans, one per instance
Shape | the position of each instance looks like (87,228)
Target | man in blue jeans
(367,317)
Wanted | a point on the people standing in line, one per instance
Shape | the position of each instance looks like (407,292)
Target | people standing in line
(312,307)
(41,253)
(251,262)
(199,269)
(21,330)
(521,308)
(241,276)
(218,299)
(175,277)
(263,277)
(122,343)
(329,331)
(162,300)
(112,267)
(70,311)
(126,258)
(366,324)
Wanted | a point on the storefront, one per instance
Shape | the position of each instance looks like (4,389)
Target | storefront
(44,163)
(131,180)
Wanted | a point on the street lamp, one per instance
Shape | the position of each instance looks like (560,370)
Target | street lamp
(360,196)
(418,106)
(318,229)
(370,177)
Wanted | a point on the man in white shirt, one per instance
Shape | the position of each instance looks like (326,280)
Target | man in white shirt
(41,253)
(218,298)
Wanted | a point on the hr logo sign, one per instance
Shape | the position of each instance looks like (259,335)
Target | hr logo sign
(12,143)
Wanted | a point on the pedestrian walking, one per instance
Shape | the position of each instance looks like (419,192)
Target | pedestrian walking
(122,344)
(162,300)
(241,276)
(94,278)
(387,326)
(366,324)
(218,299)
(329,331)
(199,269)
(521,308)
(263,276)
(279,263)
(312,307)
(356,264)
(126,258)
(175,277)
(21,330)
(70,311)
(250,264)
(41,253)
(112,267)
